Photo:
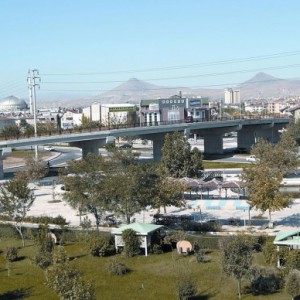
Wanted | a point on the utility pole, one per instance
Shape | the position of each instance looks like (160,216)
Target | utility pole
(33,77)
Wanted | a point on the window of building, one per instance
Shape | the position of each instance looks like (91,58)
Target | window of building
(173,115)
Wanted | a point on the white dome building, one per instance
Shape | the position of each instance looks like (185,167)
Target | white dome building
(12,104)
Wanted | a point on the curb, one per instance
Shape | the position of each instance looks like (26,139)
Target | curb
(22,165)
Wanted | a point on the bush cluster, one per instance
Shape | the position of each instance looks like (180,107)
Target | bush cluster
(131,243)
(116,268)
(265,280)
(202,227)
(59,220)
(98,246)
(11,254)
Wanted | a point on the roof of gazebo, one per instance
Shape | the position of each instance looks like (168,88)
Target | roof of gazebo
(212,184)
(230,185)
(140,228)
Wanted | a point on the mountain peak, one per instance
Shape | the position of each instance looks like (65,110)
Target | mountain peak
(261,78)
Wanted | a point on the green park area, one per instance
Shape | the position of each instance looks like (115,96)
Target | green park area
(152,277)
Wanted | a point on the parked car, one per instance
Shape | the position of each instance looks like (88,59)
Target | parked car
(251,158)
(125,146)
(49,148)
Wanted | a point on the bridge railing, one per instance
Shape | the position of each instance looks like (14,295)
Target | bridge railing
(19,135)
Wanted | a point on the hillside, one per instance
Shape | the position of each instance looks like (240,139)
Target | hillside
(261,85)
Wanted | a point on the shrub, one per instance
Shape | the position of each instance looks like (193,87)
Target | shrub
(157,249)
(199,253)
(98,246)
(60,256)
(264,281)
(43,259)
(44,256)
(116,268)
(270,252)
(292,285)
(68,284)
(131,243)
(293,260)
(185,288)
(11,254)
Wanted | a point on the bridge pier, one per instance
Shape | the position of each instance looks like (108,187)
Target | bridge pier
(1,165)
(91,146)
(249,134)
(158,142)
(213,144)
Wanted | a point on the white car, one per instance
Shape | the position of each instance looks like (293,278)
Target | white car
(49,148)
(251,158)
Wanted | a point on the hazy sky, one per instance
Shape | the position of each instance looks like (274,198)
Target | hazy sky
(166,42)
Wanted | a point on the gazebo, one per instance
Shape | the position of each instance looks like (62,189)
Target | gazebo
(289,239)
(143,230)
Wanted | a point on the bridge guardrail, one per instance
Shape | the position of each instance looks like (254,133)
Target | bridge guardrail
(18,136)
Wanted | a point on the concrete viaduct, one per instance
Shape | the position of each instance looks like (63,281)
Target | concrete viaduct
(248,130)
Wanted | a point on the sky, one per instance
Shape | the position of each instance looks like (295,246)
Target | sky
(86,47)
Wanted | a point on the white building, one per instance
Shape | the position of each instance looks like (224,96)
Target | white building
(232,96)
(86,112)
(114,114)
(95,112)
(70,119)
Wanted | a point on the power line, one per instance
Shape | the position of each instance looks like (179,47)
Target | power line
(178,77)
(163,88)
(213,63)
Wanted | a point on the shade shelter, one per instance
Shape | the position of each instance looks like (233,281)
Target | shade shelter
(289,239)
(143,230)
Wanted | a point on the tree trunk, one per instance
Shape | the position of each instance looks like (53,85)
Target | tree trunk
(128,219)
(19,229)
(270,215)
(165,209)
(239,288)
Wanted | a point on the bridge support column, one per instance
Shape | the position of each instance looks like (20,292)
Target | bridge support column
(158,142)
(246,138)
(1,165)
(249,134)
(213,144)
(89,146)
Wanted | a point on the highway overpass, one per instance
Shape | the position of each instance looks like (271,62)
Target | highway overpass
(248,131)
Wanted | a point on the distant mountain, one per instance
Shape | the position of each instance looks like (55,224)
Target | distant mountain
(134,90)
(261,86)
(261,78)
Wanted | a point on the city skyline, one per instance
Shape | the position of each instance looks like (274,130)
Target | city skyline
(87,47)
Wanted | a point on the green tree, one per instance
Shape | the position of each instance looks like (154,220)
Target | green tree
(35,168)
(168,193)
(263,179)
(262,186)
(44,255)
(85,185)
(292,285)
(131,243)
(67,282)
(185,284)
(177,158)
(236,258)
(294,130)
(129,189)
(16,199)
(11,131)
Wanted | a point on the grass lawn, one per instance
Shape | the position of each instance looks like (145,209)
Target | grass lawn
(27,153)
(151,277)
(223,165)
